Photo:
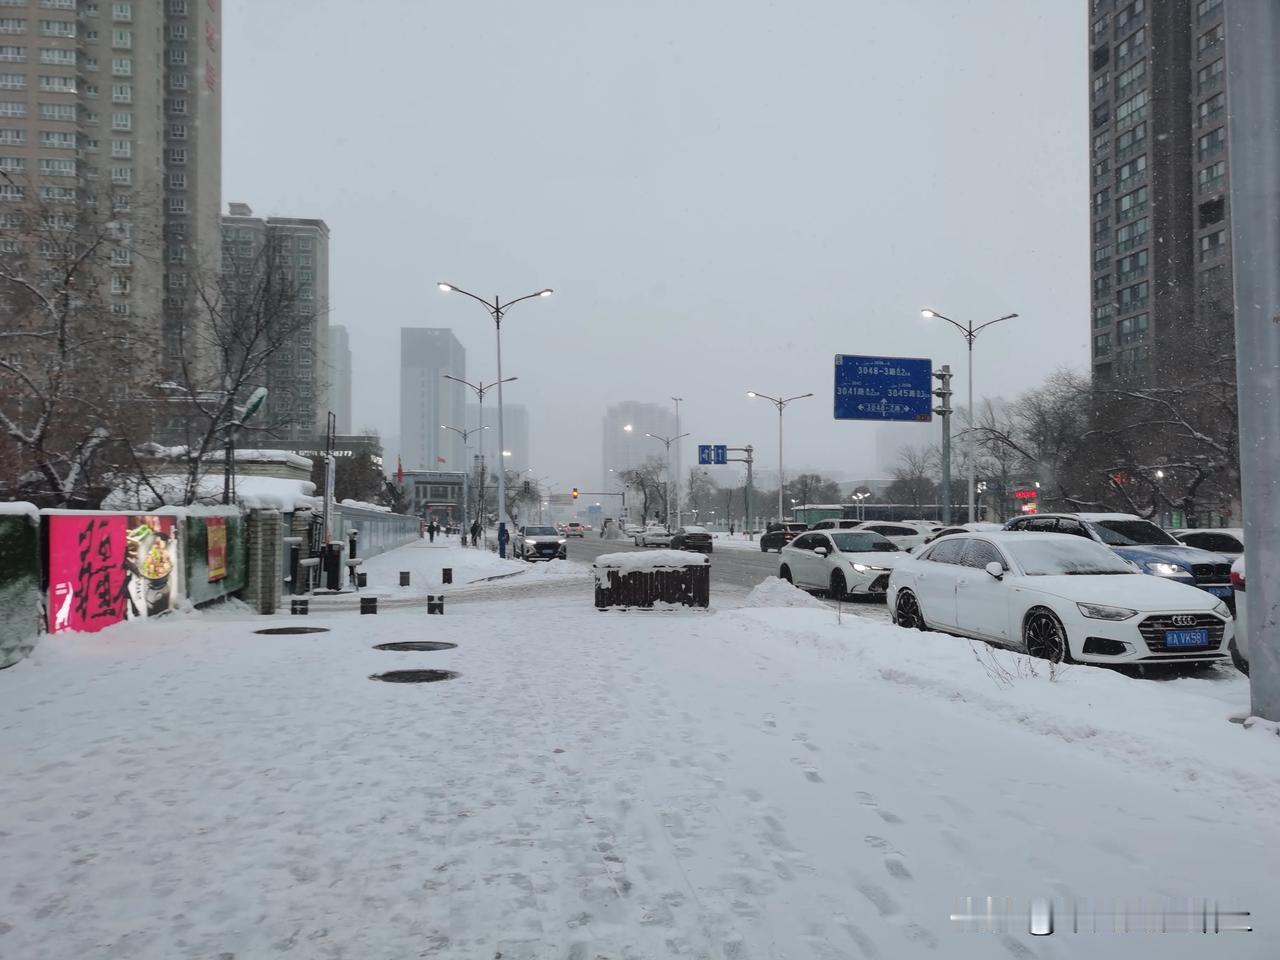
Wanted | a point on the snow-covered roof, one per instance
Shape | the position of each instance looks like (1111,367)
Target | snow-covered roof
(361,505)
(265,493)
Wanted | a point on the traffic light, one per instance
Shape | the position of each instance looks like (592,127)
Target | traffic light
(943,393)
(575,493)
(527,489)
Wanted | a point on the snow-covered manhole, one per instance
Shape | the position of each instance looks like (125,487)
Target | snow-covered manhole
(284,631)
(413,676)
(416,645)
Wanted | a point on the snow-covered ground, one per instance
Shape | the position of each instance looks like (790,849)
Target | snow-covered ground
(762,781)
(425,561)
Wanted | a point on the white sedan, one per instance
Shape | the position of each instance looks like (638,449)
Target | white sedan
(1060,598)
(839,562)
(654,535)
(904,535)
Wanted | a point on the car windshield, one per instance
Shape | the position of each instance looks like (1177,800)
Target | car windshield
(863,541)
(1066,556)
(539,531)
(1128,533)
(695,529)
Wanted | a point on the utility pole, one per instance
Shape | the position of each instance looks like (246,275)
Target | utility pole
(943,410)
(749,460)
(678,401)
(1253,76)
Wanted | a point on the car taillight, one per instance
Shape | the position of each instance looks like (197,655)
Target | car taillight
(1237,580)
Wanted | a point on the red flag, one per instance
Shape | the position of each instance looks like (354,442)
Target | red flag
(399,472)
(441,460)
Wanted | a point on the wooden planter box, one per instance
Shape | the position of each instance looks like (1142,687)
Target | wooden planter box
(686,584)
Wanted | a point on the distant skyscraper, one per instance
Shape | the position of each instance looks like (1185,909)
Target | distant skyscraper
(515,428)
(298,377)
(340,376)
(120,104)
(1162,288)
(429,401)
(623,449)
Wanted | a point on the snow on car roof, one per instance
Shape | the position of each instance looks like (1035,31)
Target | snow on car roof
(1237,532)
(1098,516)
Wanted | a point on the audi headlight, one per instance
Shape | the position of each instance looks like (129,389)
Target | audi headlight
(1222,610)
(1100,611)
(861,567)
(1162,569)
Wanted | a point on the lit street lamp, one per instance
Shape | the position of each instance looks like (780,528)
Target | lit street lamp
(480,390)
(781,404)
(970,333)
(667,442)
(497,310)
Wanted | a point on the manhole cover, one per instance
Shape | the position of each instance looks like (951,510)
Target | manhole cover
(282,631)
(416,645)
(413,676)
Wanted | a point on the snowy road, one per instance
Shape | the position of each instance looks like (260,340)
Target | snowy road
(746,783)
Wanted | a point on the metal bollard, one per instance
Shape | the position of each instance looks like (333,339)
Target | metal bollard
(404,578)
(362,579)
(435,604)
(446,575)
(368,605)
(298,608)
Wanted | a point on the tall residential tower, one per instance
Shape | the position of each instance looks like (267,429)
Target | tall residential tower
(429,402)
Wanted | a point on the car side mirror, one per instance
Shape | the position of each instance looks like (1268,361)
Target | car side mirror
(821,551)
(996,569)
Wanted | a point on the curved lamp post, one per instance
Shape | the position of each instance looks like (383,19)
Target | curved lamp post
(781,404)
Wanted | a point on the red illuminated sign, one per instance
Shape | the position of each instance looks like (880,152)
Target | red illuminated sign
(1026,494)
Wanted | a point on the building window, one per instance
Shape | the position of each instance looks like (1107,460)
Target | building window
(57,111)
(1212,177)
(1131,204)
(122,148)
(12,164)
(1212,245)
(178,81)
(58,84)
(1131,235)
(1101,286)
(177,204)
(56,28)
(1130,171)
(1132,329)
(10,108)
(1211,108)
(119,309)
(1131,47)
(1100,229)
(178,31)
(305,243)
(122,121)
(1209,76)
(13,81)
(58,139)
(177,131)
(1213,211)
(1102,344)
(1131,267)
(1101,114)
(122,66)
(177,155)
(1102,315)
(90,90)
(119,283)
(177,105)
(122,176)
(1133,360)
(1132,110)
(121,256)
(1128,80)
(11,136)
(1206,9)
(1211,39)
(1099,84)
(1133,297)
(177,57)
(121,93)
(178,8)
(122,39)
(12,25)
(1211,143)
(1102,143)
(120,202)
(177,181)
(1100,200)
(10,191)
(57,168)
(122,12)
(13,54)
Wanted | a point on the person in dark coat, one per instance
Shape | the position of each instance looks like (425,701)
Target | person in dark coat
(475,533)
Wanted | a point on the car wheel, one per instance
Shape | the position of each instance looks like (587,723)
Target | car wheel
(1241,663)
(839,589)
(763,548)
(785,574)
(1045,637)
(906,612)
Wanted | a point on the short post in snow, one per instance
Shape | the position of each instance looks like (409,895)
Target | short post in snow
(368,605)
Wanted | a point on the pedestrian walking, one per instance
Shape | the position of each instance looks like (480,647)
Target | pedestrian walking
(431,531)
(475,533)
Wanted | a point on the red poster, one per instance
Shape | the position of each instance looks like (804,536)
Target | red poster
(105,568)
(216,534)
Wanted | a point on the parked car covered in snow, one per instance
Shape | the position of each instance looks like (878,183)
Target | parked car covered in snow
(1149,547)
(839,562)
(1060,598)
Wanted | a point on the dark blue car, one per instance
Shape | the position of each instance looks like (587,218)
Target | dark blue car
(1141,541)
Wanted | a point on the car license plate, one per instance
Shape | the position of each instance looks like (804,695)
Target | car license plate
(1186,638)
(1219,591)
(547,551)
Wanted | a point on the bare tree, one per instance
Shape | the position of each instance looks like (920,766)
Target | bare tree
(914,477)
(68,360)
(700,491)
(648,479)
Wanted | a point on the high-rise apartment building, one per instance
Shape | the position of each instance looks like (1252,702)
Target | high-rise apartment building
(515,432)
(297,375)
(340,376)
(623,441)
(1160,217)
(116,106)
(429,402)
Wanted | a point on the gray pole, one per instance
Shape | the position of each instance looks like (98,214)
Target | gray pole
(1253,82)
(969,437)
(780,406)
(945,413)
(747,493)
(677,401)
(502,466)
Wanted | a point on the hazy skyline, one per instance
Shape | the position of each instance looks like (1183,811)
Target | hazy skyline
(723,196)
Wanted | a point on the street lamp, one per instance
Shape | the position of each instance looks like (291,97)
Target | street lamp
(677,401)
(781,404)
(497,310)
(970,333)
(480,389)
(668,441)
(465,434)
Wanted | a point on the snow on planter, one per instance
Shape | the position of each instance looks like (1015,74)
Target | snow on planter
(647,580)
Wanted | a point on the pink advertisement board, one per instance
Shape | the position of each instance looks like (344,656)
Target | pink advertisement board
(104,568)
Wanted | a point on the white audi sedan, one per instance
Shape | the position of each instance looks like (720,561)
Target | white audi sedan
(839,562)
(1060,598)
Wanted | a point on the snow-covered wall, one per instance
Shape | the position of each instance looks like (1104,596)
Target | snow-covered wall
(21,613)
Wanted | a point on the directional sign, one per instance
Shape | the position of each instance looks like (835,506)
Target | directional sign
(883,388)
(720,454)
(704,454)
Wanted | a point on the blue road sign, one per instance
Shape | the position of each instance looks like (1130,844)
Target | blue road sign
(883,388)
(704,454)
(720,454)
(595,508)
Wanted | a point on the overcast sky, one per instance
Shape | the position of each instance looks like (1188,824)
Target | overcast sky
(723,195)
